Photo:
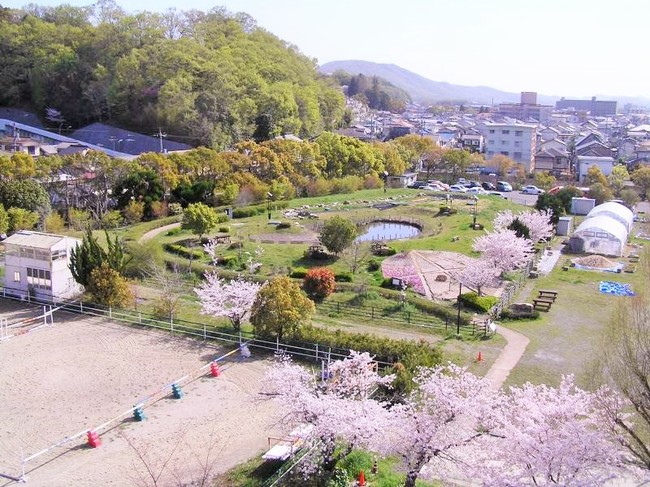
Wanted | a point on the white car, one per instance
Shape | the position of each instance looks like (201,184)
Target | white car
(531,189)
(432,187)
(476,190)
(457,188)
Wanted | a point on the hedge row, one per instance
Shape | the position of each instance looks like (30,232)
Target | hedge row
(482,304)
(183,251)
(301,272)
(249,211)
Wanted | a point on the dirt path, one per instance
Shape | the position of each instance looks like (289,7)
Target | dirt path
(157,231)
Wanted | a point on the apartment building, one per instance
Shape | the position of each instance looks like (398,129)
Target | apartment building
(514,140)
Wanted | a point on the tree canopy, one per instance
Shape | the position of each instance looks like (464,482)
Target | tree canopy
(211,78)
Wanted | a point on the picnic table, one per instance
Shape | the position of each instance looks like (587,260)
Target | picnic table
(542,304)
(547,293)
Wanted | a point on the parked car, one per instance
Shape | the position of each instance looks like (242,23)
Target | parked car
(476,190)
(532,189)
(457,188)
(416,185)
(437,182)
(496,193)
(472,184)
(504,186)
(432,187)
(488,186)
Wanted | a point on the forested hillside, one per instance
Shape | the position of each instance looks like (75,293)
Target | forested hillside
(374,91)
(209,78)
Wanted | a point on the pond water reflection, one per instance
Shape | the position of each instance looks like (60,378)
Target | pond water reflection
(388,231)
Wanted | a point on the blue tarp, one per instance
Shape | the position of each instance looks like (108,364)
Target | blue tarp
(616,288)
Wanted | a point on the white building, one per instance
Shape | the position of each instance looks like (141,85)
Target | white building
(616,211)
(36,264)
(514,140)
(606,164)
(600,235)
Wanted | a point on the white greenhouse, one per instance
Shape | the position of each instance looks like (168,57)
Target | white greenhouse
(616,211)
(600,234)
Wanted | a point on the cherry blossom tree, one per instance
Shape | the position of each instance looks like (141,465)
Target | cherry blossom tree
(539,224)
(231,299)
(438,420)
(549,436)
(504,249)
(339,408)
(478,274)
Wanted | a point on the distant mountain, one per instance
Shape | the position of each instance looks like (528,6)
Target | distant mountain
(424,90)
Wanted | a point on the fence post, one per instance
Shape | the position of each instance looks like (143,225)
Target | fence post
(317,352)
(139,317)
(81,306)
(372,313)
(408,317)
(338,307)
(205,331)
(171,325)
(110,312)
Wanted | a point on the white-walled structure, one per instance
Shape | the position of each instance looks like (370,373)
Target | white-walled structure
(36,264)
(606,164)
(514,140)
(600,235)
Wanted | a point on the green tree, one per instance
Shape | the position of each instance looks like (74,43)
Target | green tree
(566,195)
(545,180)
(600,193)
(595,175)
(502,164)
(337,234)
(27,194)
(456,162)
(617,178)
(201,219)
(641,179)
(630,196)
(553,202)
(4,221)
(79,219)
(21,219)
(280,309)
(133,212)
(90,255)
(108,287)
(54,223)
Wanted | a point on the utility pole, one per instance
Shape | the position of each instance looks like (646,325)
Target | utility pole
(160,135)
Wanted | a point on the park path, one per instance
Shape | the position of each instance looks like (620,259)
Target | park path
(508,358)
(157,231)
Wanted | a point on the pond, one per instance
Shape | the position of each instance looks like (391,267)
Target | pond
(387,231)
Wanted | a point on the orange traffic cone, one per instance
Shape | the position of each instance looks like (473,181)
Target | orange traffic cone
(479,358)
(362,479)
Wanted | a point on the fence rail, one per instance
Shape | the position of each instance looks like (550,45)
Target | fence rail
(304,350)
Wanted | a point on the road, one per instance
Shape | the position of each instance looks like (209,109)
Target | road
(521,198)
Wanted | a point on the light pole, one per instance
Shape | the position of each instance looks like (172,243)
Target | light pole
(475,212)
(460,292)
(269,197)
(385,177)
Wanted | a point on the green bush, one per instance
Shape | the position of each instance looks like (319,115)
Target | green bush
(482,304)
(174,231)
(183,251)
(298,273)
(227,260)
(508,314)
(373,265)
(355,462)
(224,229)
(343,277)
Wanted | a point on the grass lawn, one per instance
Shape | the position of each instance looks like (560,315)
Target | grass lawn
(563,340)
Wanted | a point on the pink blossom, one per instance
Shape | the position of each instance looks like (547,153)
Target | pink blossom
(401,266)
(504,249)
(231,299)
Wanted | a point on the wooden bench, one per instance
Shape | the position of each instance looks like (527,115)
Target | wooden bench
(547,293)
(541,304)
(545,299)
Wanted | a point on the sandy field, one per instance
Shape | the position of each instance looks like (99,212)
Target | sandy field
(81,372)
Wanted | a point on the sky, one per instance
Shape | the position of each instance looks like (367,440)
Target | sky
(554,47)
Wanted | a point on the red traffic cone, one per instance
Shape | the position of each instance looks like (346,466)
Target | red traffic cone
(479,358)
(362,478)
(93,439)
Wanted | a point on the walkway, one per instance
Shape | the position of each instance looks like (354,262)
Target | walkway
(157,231)
(508,358)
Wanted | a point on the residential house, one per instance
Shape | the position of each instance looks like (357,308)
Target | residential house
(515,140)
(473,142)
(554,161)
(36,264)
(583,163)
(549,133)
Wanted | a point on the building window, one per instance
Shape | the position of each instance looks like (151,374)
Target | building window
(505,132)
(491,131)
(59,254)
(39,278)
(517,143)
(491,141)
(16,276)
(505,153)
(504,142)
(519,133)
(490,153)
(517,155)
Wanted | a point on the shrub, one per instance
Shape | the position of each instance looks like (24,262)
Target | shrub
(224,229)
(509,314)
(298,273)
(319,282)
(183,251)
(175,209)
(174,231)
(482,304)
(283,225)
(373,265)
(227,260)
(236,245)
(343,277)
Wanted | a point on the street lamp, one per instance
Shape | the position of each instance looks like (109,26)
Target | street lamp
(460,292)
(385,177)
(269,197)
(475,212)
